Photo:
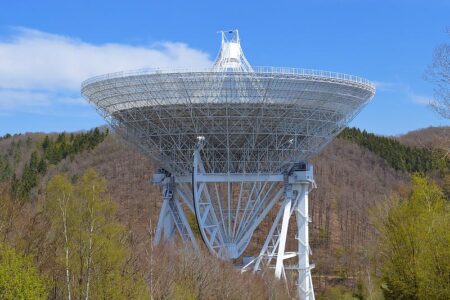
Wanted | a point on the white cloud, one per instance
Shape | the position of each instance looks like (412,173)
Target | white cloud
(385,86)
(42,102)
(420,99)
(39,69)
(32,59)
(403,90)
(12,99)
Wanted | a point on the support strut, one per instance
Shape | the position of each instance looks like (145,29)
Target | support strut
(226,225)
(297,185)
(172,214)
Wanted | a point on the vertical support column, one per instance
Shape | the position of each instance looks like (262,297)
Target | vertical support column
(297,184)
(304,284)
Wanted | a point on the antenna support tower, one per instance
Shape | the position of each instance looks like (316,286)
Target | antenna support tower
(233,143)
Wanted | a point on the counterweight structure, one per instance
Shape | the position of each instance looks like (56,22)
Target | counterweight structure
(233,142)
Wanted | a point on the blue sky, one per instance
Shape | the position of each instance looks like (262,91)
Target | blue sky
(48,47)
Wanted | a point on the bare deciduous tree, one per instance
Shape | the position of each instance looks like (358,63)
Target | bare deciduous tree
(438,73)
(59,195)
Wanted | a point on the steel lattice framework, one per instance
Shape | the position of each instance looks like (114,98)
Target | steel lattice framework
(228,137)
(252,122)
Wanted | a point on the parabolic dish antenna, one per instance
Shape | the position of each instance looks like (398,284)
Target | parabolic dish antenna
(233,142)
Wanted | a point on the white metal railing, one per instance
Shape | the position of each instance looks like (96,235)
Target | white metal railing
(261,70)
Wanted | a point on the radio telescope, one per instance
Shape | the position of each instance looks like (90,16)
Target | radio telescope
(232,142)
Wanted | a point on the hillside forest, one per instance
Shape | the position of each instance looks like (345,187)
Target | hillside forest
(78,215)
